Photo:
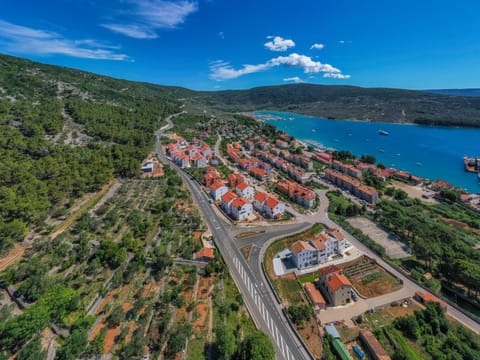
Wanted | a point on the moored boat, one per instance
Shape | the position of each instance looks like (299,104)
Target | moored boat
(383,132)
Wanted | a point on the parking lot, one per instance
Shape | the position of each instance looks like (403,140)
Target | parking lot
(394,248)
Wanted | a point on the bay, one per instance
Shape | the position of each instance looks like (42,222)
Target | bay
(431,152)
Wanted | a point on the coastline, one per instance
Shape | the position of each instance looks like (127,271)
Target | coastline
(439,149)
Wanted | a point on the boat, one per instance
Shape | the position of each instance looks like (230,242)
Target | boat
(471,164)
(313,130)
(418,164)
(383,132)
(381,150)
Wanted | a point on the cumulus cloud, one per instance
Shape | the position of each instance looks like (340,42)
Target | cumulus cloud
(221,70)
(336,76)
(295,79)
(24,40)
(317,46)
(145,17)
(279,44)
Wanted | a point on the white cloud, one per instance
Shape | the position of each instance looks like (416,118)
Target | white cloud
(279,43)
(295,79)
(25,40)
(221,70)
(336,76)
(145,17)
(317,46)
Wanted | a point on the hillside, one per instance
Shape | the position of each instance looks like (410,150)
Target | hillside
(349,102)
(64,133)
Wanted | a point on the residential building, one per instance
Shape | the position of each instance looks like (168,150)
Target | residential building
(259,201)
(315,296)
(205,254)
(323,157)
(298,193)
(364,192)
(235,179)
(335,285)
(245,190)
(259,174)
(273,208)
(227,200)
(304,255)
(217,190)
(241,208)
(210,177)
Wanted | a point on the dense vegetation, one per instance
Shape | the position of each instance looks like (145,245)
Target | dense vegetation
(444,251)
(41,168)
(349,102)
(440,339)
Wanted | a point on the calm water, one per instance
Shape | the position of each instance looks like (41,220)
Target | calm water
(426,151)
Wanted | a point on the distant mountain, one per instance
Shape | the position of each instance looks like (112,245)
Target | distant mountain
(26,80)
(456,92)
(350,102)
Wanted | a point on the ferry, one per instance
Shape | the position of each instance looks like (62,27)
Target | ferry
(383,132)
(471,164)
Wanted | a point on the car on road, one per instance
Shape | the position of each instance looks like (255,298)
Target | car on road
(354,296)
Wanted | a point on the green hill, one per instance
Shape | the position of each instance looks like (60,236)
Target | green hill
(350,102)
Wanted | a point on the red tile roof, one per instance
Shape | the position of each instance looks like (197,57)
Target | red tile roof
(205,252)
(217,185)
(313,293)
(272,202)
(330,269)
(239,202)
(261,196)
(337,280)
(300,245)
(228,197)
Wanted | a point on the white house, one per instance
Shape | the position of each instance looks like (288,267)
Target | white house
(217,190)
(227,200)
(241,208)
(303,254)
(245,190)
(259,201)
(273,208)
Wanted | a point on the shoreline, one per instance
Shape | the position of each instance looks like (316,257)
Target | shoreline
(429,160)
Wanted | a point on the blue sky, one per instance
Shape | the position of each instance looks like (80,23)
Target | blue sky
(231,44)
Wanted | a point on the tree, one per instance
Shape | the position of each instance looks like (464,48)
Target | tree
(256,346)
(225,344)
(32,351)
(116,316)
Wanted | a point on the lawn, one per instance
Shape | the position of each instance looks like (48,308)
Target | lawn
(289,290)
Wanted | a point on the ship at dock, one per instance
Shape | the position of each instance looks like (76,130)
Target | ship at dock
(472,164)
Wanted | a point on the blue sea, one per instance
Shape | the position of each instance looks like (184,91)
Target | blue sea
(431,152)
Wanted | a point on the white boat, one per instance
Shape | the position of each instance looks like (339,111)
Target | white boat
(383,132)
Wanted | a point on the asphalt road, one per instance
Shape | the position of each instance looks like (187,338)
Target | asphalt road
(249,277)
(257,296)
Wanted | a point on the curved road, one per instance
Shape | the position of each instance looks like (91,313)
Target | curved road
(248,275)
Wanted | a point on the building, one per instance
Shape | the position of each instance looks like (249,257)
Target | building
(300,194)
(210,177)
(259,174)
(241,208)
(217,190)
(205,254)
(273,208)
(351,184)
(323,157)
(377,352)
(304,255)
(335,285)
(227,200)
(245,190)
(407,177)
(235,179)
(147,166)
(315,296)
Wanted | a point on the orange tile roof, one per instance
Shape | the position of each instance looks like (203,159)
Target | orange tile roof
(336,281)
(229,196)
(336,233)
(217,185)
(205,252)
(258,171)
(261,196)
(239,202)
(330,269)
(374,345)
(272,202)
(319,244)
(300,245)
(242,186)
(313,293)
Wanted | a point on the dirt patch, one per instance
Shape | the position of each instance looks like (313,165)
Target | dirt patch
(127,306)
(131,329)
(47,337)
(246,251)
(97,330)
(247,234)
(15,254)
(415,192)
(205,288)
(146,290)
(110,338)
(105,301)
(311,335)
(371,280)
(459,224)
(200,315)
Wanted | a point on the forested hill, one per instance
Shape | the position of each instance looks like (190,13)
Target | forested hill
(65,132)
(349,102)
(456,92)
